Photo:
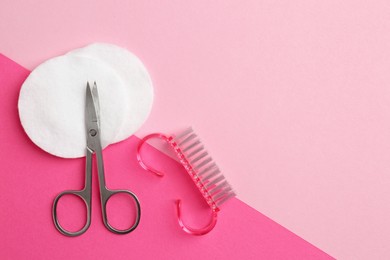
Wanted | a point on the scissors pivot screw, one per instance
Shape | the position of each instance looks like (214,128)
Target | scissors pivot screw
(93,132)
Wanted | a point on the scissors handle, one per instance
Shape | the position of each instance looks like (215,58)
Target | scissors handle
(105,195)
(85,195)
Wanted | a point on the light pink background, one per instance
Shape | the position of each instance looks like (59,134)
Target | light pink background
(292,98)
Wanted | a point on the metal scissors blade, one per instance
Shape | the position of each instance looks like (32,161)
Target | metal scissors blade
(92,104)
(92,117)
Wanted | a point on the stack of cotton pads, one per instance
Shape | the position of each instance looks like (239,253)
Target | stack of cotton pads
(52,99)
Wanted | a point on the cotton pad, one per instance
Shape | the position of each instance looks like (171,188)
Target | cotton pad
(52,104)
(138,85)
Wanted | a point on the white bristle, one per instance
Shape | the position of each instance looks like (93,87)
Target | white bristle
(202,155)
(184,133)
(219,195)
(218,188)
(212,174)
(191,146)
(202,168)
(208,168)
(187,139)
(215,181)
(230,195)
(206,161)
(195,152)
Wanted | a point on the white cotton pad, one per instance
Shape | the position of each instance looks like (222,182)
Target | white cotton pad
(138,85)
(52,104)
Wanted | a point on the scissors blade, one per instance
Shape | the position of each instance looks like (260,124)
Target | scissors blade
(92,122)
(91,112)
(91,116)
(95,97)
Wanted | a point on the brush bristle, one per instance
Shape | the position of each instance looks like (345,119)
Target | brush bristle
(201,167)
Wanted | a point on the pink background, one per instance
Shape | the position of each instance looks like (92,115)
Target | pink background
(31,178)
(291,98)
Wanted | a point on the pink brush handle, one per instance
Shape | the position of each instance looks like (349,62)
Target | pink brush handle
(198,231)
(139,158)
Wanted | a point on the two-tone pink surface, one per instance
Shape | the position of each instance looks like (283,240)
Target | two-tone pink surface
(31,178)
(292,99)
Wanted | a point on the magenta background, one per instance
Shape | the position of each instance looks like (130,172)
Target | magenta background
(292,98)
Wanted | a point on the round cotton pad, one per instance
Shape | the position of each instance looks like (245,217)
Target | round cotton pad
(139,90)
(52,104)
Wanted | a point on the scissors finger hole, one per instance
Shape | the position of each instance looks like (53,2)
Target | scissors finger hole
(121,211)
(71,212)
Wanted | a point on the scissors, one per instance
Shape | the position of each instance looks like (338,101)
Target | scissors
(92,124)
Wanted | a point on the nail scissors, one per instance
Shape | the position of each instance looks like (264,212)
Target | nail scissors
(92,123)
